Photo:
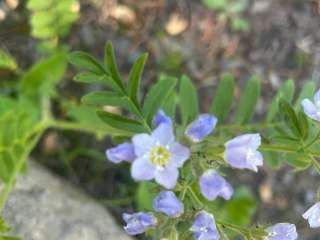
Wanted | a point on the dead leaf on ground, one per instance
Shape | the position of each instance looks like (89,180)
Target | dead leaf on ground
(176,24)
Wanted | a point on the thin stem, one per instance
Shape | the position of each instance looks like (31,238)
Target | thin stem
(250,126)
(195,197)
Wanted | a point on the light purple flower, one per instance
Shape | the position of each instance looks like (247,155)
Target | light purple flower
(201,127)
(158,156)
(204,227)
(312,109)
(167,202)
(282,231)
(313,215)
(241,152)
(161,117)
(138,223)
(122,152)
(212,185)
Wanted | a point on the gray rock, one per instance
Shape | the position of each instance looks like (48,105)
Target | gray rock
(42,206)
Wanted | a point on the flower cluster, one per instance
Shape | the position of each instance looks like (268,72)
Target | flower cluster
(158,156)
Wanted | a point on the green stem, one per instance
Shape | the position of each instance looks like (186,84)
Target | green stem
(279,148)
(250,126)
(315,163)
(195,197)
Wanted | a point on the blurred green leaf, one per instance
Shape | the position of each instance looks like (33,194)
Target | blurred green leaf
(286,92)
(145,195)
(240,209)
(240,24)
(170,105)
(157,95)
(90,77)
(87,119)
(41,79)
(248,100)
(188,100)
(215,4)
(222,102)
(135,77)
(7,61)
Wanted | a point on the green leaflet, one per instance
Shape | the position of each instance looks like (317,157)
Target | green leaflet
(286,92)
(86,61)
(145,195)
(307,91)
(135,77)
(222,101)
(157,95)
(248,100)
(120,122)
(188,100)
(110,62)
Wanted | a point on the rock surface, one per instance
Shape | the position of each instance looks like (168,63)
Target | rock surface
(42,206)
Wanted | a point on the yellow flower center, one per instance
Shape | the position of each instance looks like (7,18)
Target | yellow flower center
(159,156)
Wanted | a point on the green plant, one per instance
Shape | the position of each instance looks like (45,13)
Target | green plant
(230,10)
(52,19)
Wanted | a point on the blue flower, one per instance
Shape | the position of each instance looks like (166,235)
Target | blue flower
(282,231)
(312,109)
(122,152)
(212,185)
(167,202)
(313,215)
(201,127)
(161,117)
(241,152)
(138,223)
(158,156)
(204,227)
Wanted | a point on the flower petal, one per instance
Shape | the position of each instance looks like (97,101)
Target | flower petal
(213,185)
(167,202)
(142,143)
(201,127)
(163,134)
(179,154)
(167,177)
(313,215)
(252,140)
(282,231)
(316,98)
(310,109)
(122,152)
(142,169)
(161,117)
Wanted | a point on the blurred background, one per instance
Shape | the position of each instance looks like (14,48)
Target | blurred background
(275,39)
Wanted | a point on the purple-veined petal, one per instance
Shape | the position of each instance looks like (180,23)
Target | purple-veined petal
(167,202)
(252,140)
(204,227)
(163,134)
(212,185)
(138,223)
(179,154)
(122,152)
(167,177)
(142,169)
(313,215)
(201,127)
(161,117)
(142,144)
(241,152)
(282,231)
